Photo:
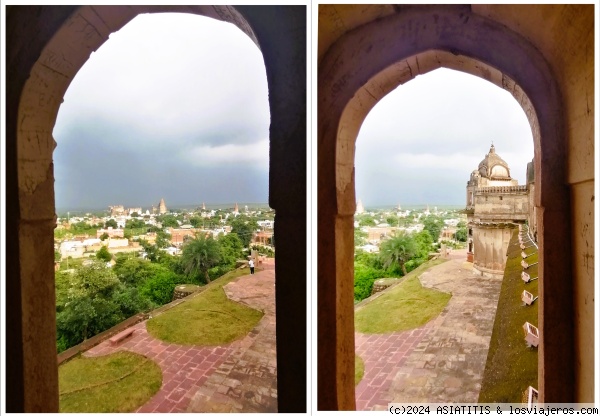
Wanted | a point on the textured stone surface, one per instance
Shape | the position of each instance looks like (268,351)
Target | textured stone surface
(241,376)
(442,361)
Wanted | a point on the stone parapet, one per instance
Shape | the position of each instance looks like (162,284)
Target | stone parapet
(501,189)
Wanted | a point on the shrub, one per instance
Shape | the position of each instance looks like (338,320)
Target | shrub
(364,276)
(159,289)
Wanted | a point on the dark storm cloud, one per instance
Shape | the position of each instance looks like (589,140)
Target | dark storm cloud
(171,106)
(422,141)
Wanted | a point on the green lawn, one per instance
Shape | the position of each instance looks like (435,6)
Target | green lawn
(359,369)
(511,366)
(405,306)
(116,383)
(209,318)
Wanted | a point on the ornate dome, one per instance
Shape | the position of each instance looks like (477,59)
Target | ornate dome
(493,167)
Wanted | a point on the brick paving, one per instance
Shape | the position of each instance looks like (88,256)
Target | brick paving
(240,376)
(442,361)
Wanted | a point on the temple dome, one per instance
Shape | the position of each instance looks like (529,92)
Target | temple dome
(494,167)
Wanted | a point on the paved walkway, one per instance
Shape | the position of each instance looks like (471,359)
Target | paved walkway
(442,361)
(240,376)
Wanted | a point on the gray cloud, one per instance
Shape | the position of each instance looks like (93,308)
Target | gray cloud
(421,142)
(173,106)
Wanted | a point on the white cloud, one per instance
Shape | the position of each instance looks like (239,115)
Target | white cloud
(255,155)
(432,132)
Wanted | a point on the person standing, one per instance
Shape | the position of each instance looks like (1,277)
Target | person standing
(251,264)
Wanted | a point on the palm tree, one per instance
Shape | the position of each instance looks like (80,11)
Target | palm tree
(200,254)
(398,249)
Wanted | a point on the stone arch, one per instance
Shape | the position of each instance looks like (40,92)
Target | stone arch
(46,46)
(357,71)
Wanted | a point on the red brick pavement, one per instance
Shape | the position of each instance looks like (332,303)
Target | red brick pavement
(382,353)
(185,368)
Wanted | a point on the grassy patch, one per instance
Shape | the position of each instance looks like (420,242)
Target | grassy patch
(511,367)
(210,318)
(119,382)
(406,306)
(359,369)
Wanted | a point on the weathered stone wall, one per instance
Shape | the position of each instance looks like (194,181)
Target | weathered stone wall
(490,248)
(501,206)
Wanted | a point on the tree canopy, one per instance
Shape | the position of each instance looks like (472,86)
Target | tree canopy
(200,254)
(398,250)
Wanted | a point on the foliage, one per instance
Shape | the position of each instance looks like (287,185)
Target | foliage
(168,220)
(95,297)
(364,276)
(103,254)
(433,225)
(245,228)
(209,318)
(104,236)
(131,301)
(461,234)
(231,248)
(135,223)
(57,255)
(392,222)
(159,288)
(406,306)
(424,243)
(397,251)
(368,259)
(366,221)
(267,251)
(119,382)
(134,215)
(200,254)
(196,221)
(111,223)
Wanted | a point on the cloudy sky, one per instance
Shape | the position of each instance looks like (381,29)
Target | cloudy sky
(172,106)
(421,142)
(175,106)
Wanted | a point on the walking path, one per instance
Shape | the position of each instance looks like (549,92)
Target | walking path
(240,376)
(442,361)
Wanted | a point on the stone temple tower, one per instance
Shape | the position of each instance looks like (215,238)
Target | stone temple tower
(495,205)
(162,207)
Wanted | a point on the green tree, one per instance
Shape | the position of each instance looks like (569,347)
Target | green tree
(245,228)
(433,225)
(57,255)
(103,254)
(168,221)
(424,243)
(135,223)
(200,254)
(111,223)
(366,221)
(134,215)
(461,234)
(84,303)
(160,287)
(364,276)
(104,236)
(196,221)
(231,248)
(397,251)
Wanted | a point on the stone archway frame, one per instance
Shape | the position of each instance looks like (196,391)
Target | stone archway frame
(361,68)
(67,37)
